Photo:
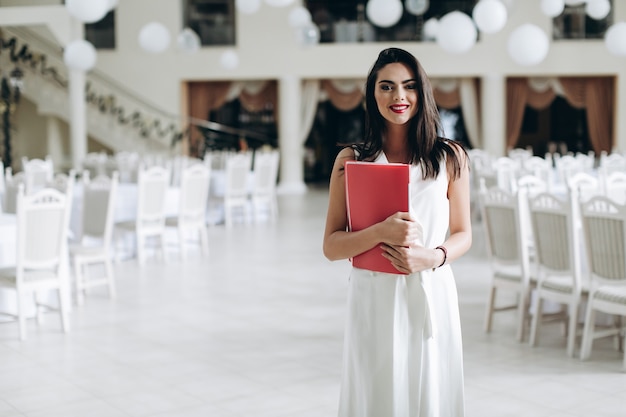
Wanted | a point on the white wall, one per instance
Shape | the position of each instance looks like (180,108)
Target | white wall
(268,50)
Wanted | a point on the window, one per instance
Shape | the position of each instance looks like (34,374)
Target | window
(346,20)
(212,20)
(102,33)
(574,23)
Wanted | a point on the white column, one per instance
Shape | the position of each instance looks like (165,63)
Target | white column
(493,114)
(78,107)
(291,147)
(55,142)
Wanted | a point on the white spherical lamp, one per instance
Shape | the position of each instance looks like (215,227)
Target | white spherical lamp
(528,45)
(308,35)
(188,41)
(490,15)
(229,59)
(279,3)
(430,29)
(416,7)
(80,55)
(299,17)
(456,33)
(615,39)
(248,6)
(552,8)
(384,13)
(87,11)
(598,9)
(154,37)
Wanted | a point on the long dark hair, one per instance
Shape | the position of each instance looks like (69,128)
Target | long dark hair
(425,146)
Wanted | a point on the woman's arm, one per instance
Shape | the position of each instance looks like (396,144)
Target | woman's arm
(409,259)
(339,243)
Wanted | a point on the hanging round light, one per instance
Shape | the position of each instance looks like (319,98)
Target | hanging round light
(308,35)
(598,9)
(490,15)
(188,41)
(528,45)
(154,37)
(431,26)
(80,55)
(416,7)
(299,16)
(279,3)
(229,59)
(552,8)
(384,13)
(87,11)
(456,33)
(615,39)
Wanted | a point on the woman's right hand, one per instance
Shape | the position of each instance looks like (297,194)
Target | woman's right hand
(400,229)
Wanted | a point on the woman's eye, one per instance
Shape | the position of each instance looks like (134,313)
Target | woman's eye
(411,86)
(385,87)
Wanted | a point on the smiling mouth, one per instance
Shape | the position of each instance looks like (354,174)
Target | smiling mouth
(399,108)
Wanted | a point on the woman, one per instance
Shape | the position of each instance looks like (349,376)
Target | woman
(403,352)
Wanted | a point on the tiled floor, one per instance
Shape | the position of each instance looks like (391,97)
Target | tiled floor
(255,329)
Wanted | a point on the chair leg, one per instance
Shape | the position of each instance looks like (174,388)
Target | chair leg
(38,307)
(63,310)
(80,282)
(572,318)
(490,307)
(141,246)
(522,311)
(21,316)
(108,269)
(587,342)
(536,319)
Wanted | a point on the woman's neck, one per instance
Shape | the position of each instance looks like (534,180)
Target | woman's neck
(395,144)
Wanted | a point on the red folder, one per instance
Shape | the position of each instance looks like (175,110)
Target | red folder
(374,192)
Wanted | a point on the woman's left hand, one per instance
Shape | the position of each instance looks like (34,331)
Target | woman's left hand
(408,259)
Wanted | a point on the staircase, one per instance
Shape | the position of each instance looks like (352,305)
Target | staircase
(115,117)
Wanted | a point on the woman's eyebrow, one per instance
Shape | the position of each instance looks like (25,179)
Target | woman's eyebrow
(410,80)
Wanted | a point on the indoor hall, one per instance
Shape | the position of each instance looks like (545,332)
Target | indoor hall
(254,325)
(256,329)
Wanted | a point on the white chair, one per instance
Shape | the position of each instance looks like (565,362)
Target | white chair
(566,167)
(41,264)
(558,262)
(539,167)
(152,185)
(11,187)
(236,188)
(37,173)
(614,186)
(508,254)
(613,162)
(96,163)
(63,182)
(94,245)
(507,172)
(127,165)
(265,173)
(604,225)
(192,209)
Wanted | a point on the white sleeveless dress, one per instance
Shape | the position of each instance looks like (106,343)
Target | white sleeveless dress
(403,355)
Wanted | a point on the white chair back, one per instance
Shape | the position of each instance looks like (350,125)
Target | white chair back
(152,188)
(236,189)
(42,221)
(38,173)
(614,186)
(11,186)
(99,195)
(194,194)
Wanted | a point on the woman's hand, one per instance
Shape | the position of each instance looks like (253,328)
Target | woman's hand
(412,258)
(400,229)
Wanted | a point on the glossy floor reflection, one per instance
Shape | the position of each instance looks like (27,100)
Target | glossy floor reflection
(255,329)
